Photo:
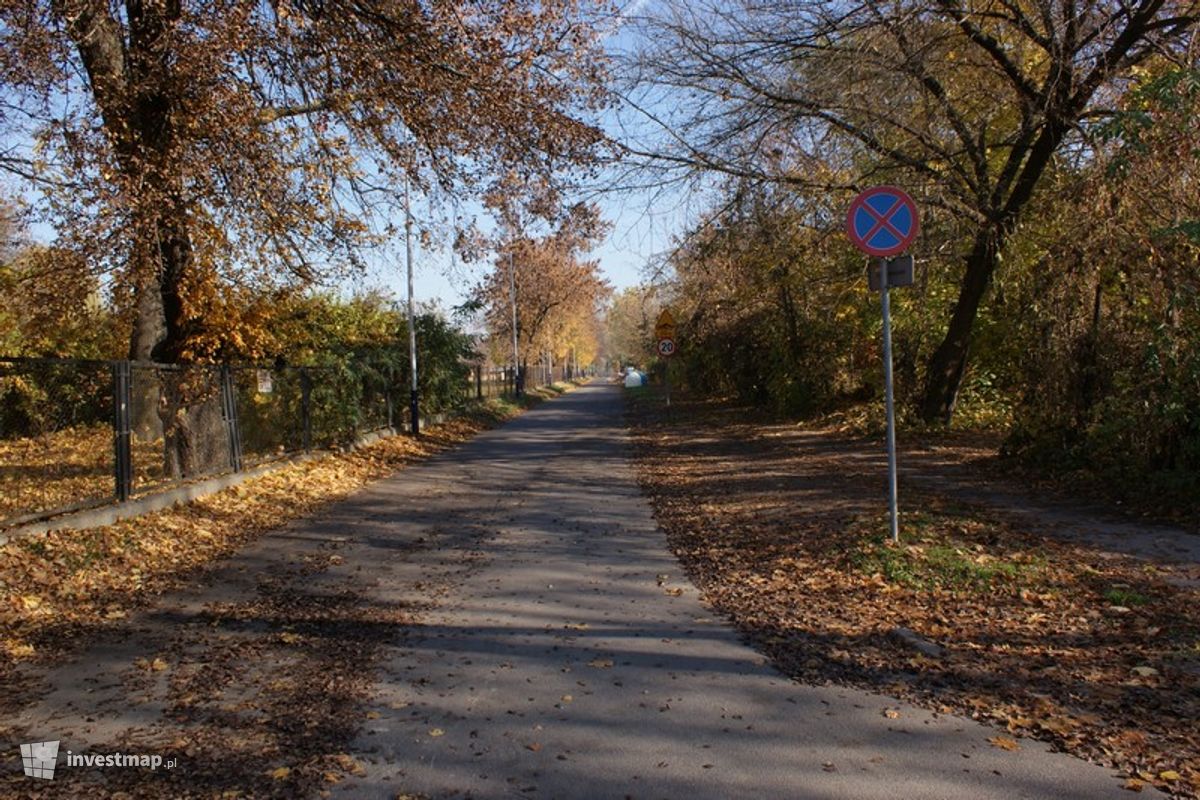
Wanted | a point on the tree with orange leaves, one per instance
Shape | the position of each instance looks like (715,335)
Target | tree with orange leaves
(194,147)
(267,141)
(558,292)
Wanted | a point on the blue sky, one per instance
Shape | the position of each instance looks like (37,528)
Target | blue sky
(643,222)
(642,227)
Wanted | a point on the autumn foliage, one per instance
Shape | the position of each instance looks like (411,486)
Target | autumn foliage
(558,293)
(201,147)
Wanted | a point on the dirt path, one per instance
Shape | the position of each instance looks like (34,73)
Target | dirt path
(503,620)
(968,473)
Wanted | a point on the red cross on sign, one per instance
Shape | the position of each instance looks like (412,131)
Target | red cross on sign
(882,221)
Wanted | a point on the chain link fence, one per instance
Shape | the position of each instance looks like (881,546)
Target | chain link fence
(56,436)
(499,381)
(76,434)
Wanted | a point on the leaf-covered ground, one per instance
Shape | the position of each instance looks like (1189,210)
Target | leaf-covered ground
(55,588)
(258,686)
(783,529)
(67,467)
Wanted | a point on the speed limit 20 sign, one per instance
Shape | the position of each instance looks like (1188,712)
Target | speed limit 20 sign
(666,347)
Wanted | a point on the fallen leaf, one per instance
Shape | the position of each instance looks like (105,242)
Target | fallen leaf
(347,762)
(1004,743)
(17,649)
(437,732)
(600,663)
(1060,725)
(281,773)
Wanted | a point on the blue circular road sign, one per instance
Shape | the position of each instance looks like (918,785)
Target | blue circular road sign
(882,221)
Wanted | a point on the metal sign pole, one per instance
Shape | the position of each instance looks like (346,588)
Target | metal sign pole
(891,409)
(882,222)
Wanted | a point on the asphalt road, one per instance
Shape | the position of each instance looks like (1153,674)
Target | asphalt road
(559,653)
(572,658)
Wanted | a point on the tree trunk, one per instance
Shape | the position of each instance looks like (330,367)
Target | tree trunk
(790,318)
(129,66)
(1089,358)
(949,362)
(945,373)
(148,330)
(196,440)
(195,437)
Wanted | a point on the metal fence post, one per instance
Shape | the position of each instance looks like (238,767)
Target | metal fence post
(122,432)
(229,411)
(306,407)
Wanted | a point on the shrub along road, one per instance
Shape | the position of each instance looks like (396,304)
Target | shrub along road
(501,620)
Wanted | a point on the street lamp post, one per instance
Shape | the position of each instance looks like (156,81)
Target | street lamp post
(512,296)
(412,328)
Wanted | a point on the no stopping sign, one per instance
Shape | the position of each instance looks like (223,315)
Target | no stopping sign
(882,221)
